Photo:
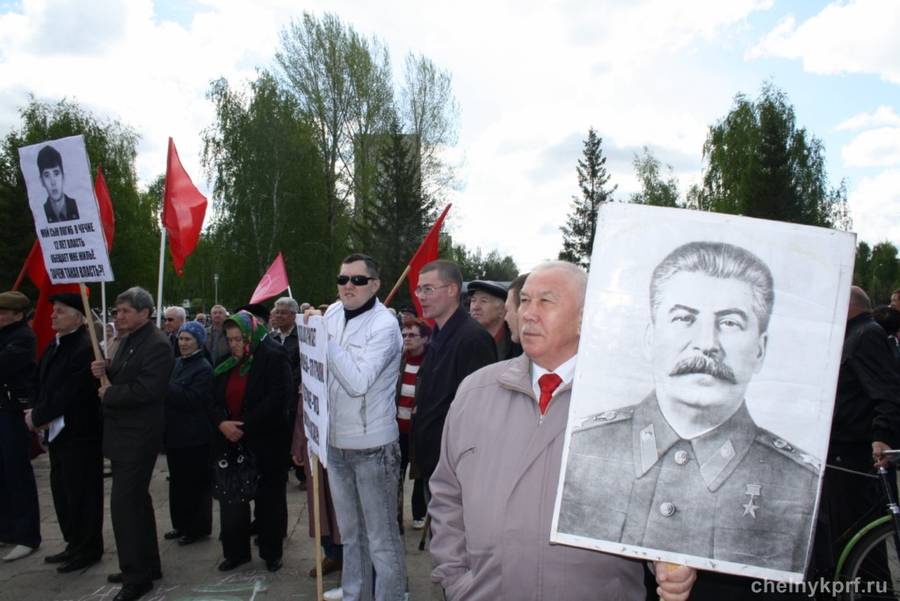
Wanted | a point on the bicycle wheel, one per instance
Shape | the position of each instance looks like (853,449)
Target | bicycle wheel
(872,570)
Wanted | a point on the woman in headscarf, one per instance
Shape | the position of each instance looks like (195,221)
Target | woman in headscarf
(188,433)
(251,392)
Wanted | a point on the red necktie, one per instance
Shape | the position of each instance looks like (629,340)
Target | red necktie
(548,383)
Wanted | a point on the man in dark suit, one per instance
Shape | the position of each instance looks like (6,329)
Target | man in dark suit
(687,470)
(59,206)
(134,416)
(67,406)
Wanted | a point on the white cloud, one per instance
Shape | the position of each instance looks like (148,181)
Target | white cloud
(853,37)
(883,115)
(875,207)
(528,76)
(873,148)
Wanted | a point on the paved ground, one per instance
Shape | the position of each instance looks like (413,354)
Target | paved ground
(189,573)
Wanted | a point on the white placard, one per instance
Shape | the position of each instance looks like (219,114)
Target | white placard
(66,218)
(704,389)
(314,388)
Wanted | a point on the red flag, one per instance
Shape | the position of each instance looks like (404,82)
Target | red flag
(274,281)
(183,210)
(428,252)
(107,215)
(37,273)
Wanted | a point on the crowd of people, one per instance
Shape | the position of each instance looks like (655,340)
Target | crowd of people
(469,400)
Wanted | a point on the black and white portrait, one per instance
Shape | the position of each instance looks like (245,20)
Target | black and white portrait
(59,206)
(701,407)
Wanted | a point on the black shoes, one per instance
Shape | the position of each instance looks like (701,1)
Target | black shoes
(230,564)
(130,592)
(117,577)
(273,565)
(58,558)
(172,535)
(78,563)
(189,539)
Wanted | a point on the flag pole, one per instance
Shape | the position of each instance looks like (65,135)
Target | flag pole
(159,286)
(396,287)
(290,294)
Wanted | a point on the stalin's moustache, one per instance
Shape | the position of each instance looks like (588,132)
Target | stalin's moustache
(703,364)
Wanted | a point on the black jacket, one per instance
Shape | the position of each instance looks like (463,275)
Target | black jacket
(190,392)
(17,364)
(66,387)
(458,349)
(133,407)
(264,410)
(291,345)
(70,210)
(867,407)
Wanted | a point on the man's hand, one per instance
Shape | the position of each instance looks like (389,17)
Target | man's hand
(675,582)
(28,421)
(878,448)
(297,461)
(310,313)
(231,430)
(98,368)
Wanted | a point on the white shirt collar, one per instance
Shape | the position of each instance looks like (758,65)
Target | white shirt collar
(566,371)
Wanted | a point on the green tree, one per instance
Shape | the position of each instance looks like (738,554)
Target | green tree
(474,265)
(269,184)
(581,225)
(884,273)
(654,189)
(398,216)
(110,145)
(760,164)
(342,84)
(862,268)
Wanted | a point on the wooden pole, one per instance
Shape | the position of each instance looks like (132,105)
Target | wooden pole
(396,287)
(314,469)
(89,317)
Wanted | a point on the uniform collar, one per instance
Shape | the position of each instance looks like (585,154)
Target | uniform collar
(718,452)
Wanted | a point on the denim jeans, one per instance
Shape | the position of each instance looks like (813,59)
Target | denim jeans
(364,488)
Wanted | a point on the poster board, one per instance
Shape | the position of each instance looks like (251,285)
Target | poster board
(701,411)
(314,387)
(66,216)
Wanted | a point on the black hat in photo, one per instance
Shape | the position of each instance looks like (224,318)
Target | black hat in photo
(69,299)
(489,287)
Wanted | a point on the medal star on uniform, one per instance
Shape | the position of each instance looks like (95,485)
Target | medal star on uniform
(750,507)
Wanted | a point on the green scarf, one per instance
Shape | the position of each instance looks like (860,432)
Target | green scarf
(253,332)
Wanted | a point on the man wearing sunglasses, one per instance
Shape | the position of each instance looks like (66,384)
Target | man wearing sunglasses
(364,347)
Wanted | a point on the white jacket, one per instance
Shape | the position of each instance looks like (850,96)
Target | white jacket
(363,363)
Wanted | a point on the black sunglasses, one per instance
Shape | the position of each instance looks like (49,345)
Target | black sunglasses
(356,280)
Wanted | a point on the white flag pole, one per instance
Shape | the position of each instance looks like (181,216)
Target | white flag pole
(104,318)
(159,287)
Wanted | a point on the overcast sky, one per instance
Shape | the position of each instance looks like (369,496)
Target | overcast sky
(530,78)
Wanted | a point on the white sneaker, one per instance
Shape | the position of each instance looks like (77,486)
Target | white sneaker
(18,552)
(335,594)
(418,524)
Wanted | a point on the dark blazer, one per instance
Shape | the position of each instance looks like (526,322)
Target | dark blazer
(133,406)
(461,347)
(17,363)
(190,392)
(265,406)
(70,213)
(66,387)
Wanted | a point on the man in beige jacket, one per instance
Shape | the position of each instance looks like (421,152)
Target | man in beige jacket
(494,487)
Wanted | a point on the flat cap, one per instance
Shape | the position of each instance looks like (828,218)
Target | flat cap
(14,300)
(69,299)
(492,288)
(257,309)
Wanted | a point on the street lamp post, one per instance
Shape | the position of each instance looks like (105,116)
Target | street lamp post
(216,286)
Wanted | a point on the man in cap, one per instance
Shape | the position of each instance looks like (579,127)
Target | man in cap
(59,206)
(19,513)
(494,488)
(67,408)
(487,305)
(687,470)
(133,424)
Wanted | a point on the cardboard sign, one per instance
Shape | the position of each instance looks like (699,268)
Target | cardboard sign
(66,217)
(314,388)
(704,389)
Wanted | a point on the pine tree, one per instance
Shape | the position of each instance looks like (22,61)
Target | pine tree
(578,233)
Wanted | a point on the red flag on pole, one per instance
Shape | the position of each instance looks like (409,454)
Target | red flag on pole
(107,215)
(427,252)
(274,281)
(183,210)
